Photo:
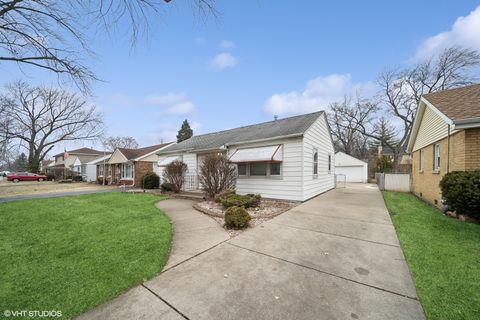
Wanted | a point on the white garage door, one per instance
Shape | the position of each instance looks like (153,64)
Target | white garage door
(352,173)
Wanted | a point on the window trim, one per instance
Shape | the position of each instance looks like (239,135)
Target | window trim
(315,163)
(123,169)
(329,163)
(101,170)
(421,160)
(268,176)
(436,168)
(246,169)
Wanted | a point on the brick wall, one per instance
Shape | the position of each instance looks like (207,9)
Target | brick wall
(472,149)
(464,155)
(141,167)
(426,184)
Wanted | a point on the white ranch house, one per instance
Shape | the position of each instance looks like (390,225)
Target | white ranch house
(291,158)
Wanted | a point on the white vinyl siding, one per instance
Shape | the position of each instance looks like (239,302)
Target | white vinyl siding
(432,128)
(288,185)
(317,137)
(190,159)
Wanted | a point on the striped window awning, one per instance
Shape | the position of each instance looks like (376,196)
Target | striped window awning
(259,154)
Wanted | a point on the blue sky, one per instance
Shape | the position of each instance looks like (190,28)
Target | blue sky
(260,58)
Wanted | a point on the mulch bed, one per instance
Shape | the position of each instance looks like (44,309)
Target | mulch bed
(266,210)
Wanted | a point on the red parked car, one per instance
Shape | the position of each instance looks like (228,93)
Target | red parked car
(26,176)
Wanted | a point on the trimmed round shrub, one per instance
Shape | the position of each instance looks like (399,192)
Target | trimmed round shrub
(461,190)
(150,180)
(167,187)
(253,200)
(236,218)
(247,201)
(234,200)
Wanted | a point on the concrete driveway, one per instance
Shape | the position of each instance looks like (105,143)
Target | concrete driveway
(333,257)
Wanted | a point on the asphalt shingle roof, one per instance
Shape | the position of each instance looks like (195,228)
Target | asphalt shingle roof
(135,153)
(457,104)
(266,130)
(82,151)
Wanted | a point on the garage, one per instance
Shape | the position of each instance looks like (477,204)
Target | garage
(355,170)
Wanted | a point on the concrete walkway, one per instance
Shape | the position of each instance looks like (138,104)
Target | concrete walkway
(334,257)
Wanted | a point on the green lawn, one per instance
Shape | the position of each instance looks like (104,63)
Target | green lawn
(73,253)
(443,255)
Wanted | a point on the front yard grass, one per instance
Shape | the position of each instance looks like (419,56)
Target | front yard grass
(443,255)
(73,253)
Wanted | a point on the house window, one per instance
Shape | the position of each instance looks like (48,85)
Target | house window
(127,171)
(436,157)
(110,170)
(100,171)
(258,169)
(329,163)
(275,168)
(242,169)
(315,161)
(421,160)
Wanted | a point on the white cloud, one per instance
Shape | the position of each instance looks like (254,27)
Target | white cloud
(465,32)
(223,60)
(225,44)
(175,104)
(317,95)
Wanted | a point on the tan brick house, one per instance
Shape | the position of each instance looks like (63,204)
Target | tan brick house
(126,166)
(445,137)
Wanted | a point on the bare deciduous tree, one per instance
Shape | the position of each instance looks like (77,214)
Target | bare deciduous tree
(174,173)
(49,34)
(217,174)
(346,118)
(38,118)
(401,90)
(120,142)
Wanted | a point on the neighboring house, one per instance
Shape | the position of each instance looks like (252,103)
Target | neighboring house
(91,168)
(44,164)
(406,159)
(76,158)
(291,158)
(126,166)
(445,137)
(355,170)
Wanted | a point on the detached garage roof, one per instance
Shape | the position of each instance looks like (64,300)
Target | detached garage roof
(343,159)
(293,126)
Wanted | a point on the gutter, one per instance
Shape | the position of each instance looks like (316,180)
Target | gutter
(294,135)
(466,123)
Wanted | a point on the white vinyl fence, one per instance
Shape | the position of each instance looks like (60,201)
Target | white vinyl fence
(394,181)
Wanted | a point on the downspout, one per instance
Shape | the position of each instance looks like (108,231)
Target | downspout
(448,148)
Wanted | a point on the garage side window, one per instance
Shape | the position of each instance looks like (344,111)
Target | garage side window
(315,161)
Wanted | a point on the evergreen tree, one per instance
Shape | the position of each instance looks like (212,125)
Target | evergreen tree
(20,163)
(185,132)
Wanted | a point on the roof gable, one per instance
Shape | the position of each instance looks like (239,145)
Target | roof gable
(459,103)
(272,129)
(343,159)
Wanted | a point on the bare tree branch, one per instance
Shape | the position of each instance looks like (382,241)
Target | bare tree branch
(41,117)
